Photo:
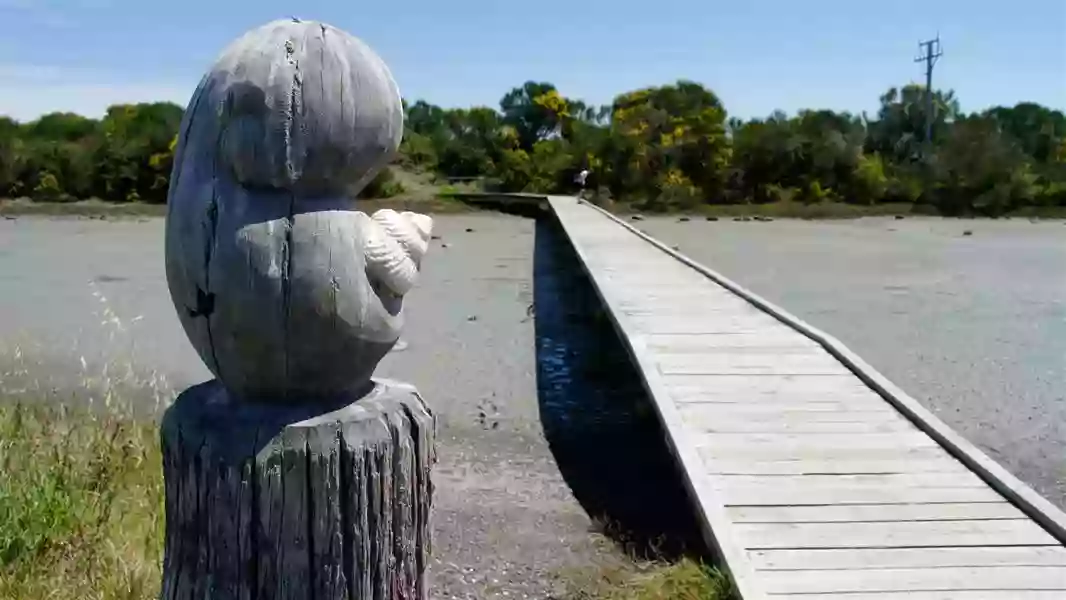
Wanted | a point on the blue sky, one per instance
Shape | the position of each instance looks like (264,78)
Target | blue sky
(758,55)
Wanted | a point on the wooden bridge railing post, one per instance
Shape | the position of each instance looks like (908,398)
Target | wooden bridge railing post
(293,474)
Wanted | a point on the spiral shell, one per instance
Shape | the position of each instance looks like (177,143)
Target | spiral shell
(394,244)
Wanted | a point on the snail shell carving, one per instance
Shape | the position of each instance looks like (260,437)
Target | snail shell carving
(285,291)
(394,246)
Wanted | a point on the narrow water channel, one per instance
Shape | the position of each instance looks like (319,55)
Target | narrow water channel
(598,420)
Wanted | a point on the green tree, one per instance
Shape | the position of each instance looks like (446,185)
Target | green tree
(10,157)
(131,134)
(1039,130)
(899,130)
(59,127)
(657,131)
(533,112)
(978,169)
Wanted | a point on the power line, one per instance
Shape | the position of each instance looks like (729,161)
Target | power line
(931,52)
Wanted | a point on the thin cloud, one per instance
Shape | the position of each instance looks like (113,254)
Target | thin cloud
(39,5)
(31,91)
(52,15)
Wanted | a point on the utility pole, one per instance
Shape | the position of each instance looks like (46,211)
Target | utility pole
(931,52)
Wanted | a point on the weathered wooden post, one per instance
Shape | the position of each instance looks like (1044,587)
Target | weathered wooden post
(293,474)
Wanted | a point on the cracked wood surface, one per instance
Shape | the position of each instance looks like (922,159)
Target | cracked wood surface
(272,502)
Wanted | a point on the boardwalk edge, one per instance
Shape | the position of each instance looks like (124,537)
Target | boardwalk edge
(717,529)
(1010,487)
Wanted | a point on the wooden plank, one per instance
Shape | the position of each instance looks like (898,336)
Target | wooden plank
(785,402)
(655,281)
(898,534)
(642,302)
(653,285)
(810,441)
(634,271)
(742,426)
(790,363)
(762,358)
(770,453)
(731,418)
(681,310)
(901,558)
(687,296)
(767,496)
(873,513)
(959,478)
(670,279)
(770,405)
(937,461)
(712,345)
(740,323)
(786,412)
(922,580)
(827,387)
(623,263)
(632,305)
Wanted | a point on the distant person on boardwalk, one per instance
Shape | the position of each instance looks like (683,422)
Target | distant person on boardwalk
(580,179)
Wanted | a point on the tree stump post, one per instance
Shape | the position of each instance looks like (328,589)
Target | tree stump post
(293,473)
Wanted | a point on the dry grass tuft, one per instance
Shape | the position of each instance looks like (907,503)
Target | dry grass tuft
(646,571)
(81,504)
(81,496)
(685,579)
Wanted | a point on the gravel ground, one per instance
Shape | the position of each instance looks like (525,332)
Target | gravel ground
(506,522)
(972,325)
(521,465)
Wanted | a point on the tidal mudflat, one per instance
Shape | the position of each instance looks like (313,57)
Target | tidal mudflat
(540,462)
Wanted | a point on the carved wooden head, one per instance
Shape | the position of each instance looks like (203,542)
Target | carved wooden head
(287,293)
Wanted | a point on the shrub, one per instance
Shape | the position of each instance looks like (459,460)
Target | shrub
(48,189)
(814,193)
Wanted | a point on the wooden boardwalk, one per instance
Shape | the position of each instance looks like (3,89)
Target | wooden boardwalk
(814,477)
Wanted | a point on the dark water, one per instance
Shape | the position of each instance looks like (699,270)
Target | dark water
(597,418)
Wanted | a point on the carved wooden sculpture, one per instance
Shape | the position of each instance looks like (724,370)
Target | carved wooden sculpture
(293,474)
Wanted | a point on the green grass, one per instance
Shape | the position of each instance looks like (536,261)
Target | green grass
(686,579)
(81,504)
(641,571)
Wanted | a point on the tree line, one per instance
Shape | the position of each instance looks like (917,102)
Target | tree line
(660,148)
